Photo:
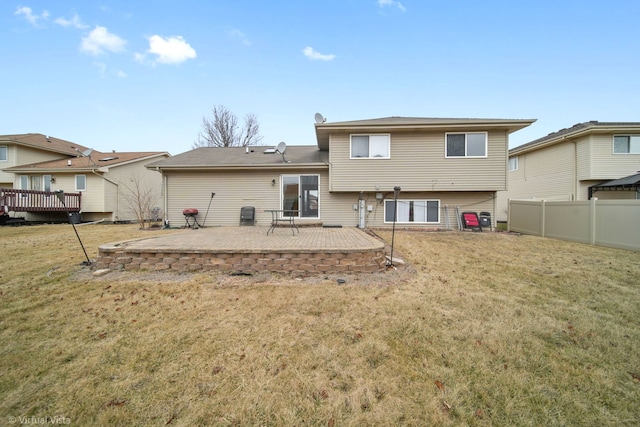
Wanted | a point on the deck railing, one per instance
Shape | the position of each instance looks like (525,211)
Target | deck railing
(15,200)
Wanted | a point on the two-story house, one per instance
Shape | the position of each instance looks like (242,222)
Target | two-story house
(97,186)
(442,166)
(576,163)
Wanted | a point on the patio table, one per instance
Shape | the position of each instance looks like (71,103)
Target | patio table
(278,217)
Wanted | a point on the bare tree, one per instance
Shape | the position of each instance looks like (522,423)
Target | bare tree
(222,130)
(140,197)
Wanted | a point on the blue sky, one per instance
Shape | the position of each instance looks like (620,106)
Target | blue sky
(141,75)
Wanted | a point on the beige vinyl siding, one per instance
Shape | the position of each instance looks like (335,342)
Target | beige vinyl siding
(6,178)
(18,156)
(26,155)
(417,163)
(583,158)
(544,174)
(93,196)
(234,190)
(605,165)
(119,189)
(465,201)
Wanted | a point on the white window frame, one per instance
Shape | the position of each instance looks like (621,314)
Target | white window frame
(404,204)
(23,182)
(513,163)
(4,149)
(377,139)
(634,143)
(466,145)
(85,182)
(302,211)
(46,182)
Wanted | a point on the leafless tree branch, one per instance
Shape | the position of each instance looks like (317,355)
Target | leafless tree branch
(221,130)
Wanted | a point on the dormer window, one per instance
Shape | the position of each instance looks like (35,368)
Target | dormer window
(370,146)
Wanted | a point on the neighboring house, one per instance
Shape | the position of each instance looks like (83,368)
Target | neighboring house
(348,177)
(97,185)
(573,163)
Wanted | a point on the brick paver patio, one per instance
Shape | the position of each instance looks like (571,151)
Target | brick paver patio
(250,249)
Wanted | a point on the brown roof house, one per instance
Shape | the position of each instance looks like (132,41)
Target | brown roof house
(347,178)
(590,159)
(114,186)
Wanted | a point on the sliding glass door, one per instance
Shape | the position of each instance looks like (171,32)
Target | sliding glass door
(300,195)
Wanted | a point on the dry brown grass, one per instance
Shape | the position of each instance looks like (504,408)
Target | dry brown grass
(481,329)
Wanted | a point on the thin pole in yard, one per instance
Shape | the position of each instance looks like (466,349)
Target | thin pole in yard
(396,193)
(60,196)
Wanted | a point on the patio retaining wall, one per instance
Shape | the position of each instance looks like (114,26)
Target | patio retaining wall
(237,262)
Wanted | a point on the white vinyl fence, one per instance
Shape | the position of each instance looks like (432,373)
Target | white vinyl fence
(613,223)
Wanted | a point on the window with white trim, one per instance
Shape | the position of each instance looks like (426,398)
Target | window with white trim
(81,182)
(370,146)
(300,195)
(626,144)
(412,211)
(3,153)
(513,163)
(46,182)
(24,182)
(466,144)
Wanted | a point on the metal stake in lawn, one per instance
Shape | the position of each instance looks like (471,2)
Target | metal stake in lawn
(396,192)
(205,215)
(60,196)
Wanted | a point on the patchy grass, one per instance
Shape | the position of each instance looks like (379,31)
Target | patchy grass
(482,329)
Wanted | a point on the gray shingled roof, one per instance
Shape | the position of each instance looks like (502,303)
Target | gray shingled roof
(239,158)
(388,124)
(575,130)
(43,142)
(96,160)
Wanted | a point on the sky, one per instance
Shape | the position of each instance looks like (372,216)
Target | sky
(141,75)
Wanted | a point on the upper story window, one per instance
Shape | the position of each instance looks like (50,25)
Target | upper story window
(513,163)
(3,153)
(81,182)
(626,144)
(370,146)
(466,144)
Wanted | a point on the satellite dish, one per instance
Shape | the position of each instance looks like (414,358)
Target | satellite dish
(319,118)
(282,147)
(87,152)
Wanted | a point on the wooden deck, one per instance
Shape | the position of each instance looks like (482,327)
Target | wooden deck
(14,200)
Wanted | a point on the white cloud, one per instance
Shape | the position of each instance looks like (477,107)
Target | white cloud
(29,16)
(383,3)
(101,66)
(311,53)
(74,22)
(121,74)
(169,50)
(241,36)
(99,40)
